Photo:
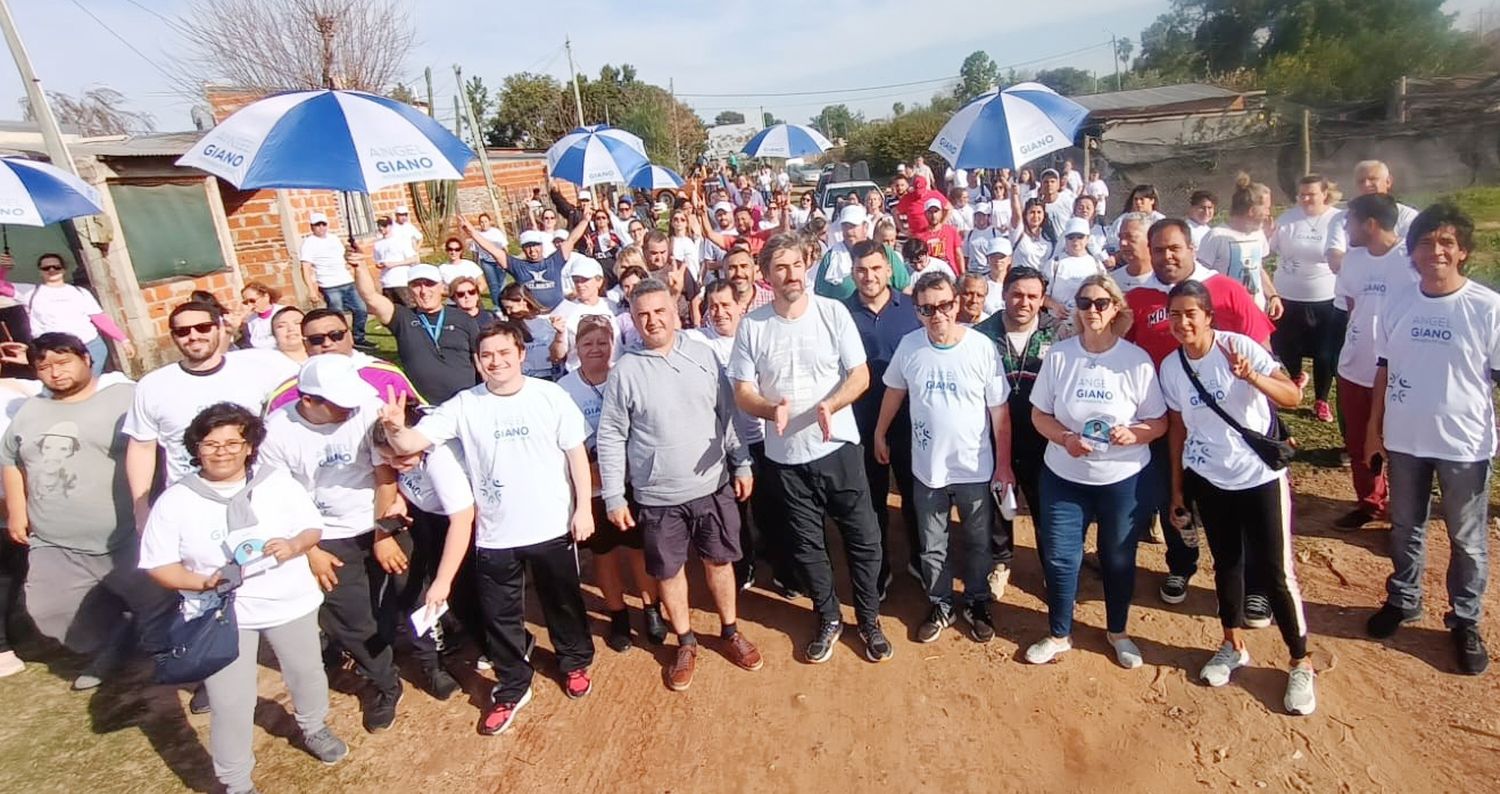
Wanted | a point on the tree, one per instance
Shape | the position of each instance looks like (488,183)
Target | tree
(767,120)
(274,45)
(883,144)
(1067,80)
(99,111)
(1123,48)
(479,96)
(837,121)
(401,93)
(729,117)
(977,75)
(898,108)
(533,110)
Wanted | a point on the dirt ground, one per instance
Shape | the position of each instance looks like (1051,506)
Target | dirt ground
(953,715)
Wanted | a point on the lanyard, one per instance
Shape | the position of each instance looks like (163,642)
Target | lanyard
(434,330)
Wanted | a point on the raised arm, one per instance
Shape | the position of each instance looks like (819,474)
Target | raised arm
(382,307)
(567,246)
(500,255)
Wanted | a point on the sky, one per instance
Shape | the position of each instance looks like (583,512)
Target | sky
(844,50)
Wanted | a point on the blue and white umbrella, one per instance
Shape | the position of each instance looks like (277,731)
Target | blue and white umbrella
(654,177)
(34,193)
(1007,129)
(786,141)
(331,140)
(596,154)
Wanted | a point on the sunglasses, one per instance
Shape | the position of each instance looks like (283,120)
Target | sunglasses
(549,217)
(467,293)
(183,331)
(248,301)
(51,268)
(317,340)
(1097,304)
(455,250)
(946,307)
(321,223)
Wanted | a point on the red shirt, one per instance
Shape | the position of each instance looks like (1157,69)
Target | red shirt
(944,243)
(911,205)
(1234,310)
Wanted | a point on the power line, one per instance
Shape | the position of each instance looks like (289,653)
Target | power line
(123,40)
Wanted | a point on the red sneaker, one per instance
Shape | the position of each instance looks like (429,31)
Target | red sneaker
(1322,411)
(499,716)
(578,684)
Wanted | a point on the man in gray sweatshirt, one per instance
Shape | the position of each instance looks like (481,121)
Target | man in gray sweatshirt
(667,420)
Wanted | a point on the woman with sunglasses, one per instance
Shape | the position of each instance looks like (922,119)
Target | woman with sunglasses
(260,303)
(465,292)
(518,305)
(457,265)
(1097,402)
(601,241)
(54,305)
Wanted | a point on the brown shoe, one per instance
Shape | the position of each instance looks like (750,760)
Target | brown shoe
(742,653)
(680,674)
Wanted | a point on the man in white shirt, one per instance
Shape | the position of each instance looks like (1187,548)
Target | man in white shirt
(404,228)
(1437,359)
(1100,191)
(1202,205)
(1370,176)
(1072,181)
(1133,258)
(494,275)
(920,168)
(394,256)
(798,364)
(322,257)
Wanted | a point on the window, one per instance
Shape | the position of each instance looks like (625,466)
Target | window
(169,229)
(362,221)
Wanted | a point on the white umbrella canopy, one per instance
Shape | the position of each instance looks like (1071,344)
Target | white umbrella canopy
(1009,128)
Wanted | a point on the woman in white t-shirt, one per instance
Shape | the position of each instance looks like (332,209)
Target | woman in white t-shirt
(261,303)
(458,266)
(1143,200)
(1239,249)
(1311,324)
(618,556)
(1068,271)
(1033,242)
(1097,403)
(1245,505)
(56,305)
(519,306)
(686,244)
(232,520)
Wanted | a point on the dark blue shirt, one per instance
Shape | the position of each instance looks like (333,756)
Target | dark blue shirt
(880,333)
(543,278)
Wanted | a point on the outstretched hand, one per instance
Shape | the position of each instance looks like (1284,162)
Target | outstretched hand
(1239,365)
(393,410)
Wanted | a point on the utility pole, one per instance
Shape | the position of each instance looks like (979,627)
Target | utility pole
(577,98)
(676,140)
(427,75)
(458,113)
(1114,54)
(479,147)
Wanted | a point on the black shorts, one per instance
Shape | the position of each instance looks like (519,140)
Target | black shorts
(607,537)
(710,525)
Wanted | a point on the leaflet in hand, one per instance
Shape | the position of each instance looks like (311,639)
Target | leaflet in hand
(423,620)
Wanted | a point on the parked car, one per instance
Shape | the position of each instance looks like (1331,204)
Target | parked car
(804,175)
(831,194)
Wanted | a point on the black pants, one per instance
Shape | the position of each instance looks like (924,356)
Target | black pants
(423,544)
(501,575)
(1182,559)
(769,538)
(1315,329)
(349,615)
(834,485)
(1250,534)
(12,577)
(1028,470)
(879,476)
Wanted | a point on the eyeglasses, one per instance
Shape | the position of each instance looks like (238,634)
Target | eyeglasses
(468,293)
(50,268)
(946,307)
(227,447)
(183,331)
(1097,304)
(317,340)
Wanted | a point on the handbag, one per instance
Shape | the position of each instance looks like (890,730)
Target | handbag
(198,648)
(1273,448)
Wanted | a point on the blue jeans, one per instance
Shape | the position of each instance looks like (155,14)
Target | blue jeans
(98,355)
(1466,504)
(971,537)
(346,298)
(494,277)
(1123,510)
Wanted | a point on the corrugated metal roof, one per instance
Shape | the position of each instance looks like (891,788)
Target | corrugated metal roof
(156,144)
(1153,97)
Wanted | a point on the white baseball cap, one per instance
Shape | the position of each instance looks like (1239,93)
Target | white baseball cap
(998,245)
(1076,226)
(335,378)
(423,272)
(585,195)
(900,168)
(984,208)
(560,234)
(853,215)
(723,206)
(932,202)
(585,267)
(533,237)
(315,218)
(403,210)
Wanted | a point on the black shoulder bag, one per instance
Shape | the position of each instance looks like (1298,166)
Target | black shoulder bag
(1272,448)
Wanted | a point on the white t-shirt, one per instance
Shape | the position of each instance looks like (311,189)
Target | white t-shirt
(1301,244)
(1066,275)
(335,462)
(1031,252)
(259,332)
(326,254)
(803,360)
(994,300)
(277,366)
(10,402)
(572,311)
(64,308)
(494,234)
(1238,255)
(1078,388)
(1338,231)
(590,400)
(1367,280)
(168,399)
(187,528)
(748,427)
(1128,282)
(463,267)
(393,249)
(1439,354)
(409,232)
(1198,231)
(1213,449)
(439,484)
(685,250)
(950,391)
(1073,182)
(1100,192)
(515,451)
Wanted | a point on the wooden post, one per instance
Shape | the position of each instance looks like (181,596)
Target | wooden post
(1306,141)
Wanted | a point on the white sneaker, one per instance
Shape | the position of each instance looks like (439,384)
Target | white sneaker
(10,663)
(1226,661)
(1047,648)
(1126,651)
(998,579)
(1300,698)
(483,664)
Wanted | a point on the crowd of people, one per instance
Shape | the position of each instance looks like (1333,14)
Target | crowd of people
(725,385)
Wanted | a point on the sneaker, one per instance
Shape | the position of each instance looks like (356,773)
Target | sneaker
(877,647)
(365,345)
(981,625)
(381,714)
(743,653)
(1322,412)
(1388,619)
(941,617)
(748,581)
(998,580)
(785,590)
(326,747)
(1174,589)
(1047,648)
(821,647)
(1127,653)
(499,717)
(680,674)
(483,664)
(883,589)
(1154,533)
(10,664)
(86,681)
(1301,381)
(618,639)
(1354,519)
(1257,611)
(441,684)
(1473,657)
(1300,699)
(198,703)
(1225,661)
(656,625)
(578,684)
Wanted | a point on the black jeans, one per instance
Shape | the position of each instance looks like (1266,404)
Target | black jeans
(501,575)
(423,544)
(1315,329)
(12,577)
(1182,559)
(769,538)
(1028,470)
(879,476)
(834,485)
(349,615)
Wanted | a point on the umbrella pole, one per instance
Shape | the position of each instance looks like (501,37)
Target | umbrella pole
(349,217)
(5,232)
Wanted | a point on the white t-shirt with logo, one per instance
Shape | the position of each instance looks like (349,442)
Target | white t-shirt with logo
(951,391)
(439,484)
(803,360)
(1238,255)
(168,399)
(1338,232)
(334,462)
(1066,275)
(326,254)
(449,271)
(515,451)
(590,400)
(1367,280)
(1090,394)
(1301,243)
(65,309)
(393,249)
(1439,354)
(1213,449)
(190,529)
